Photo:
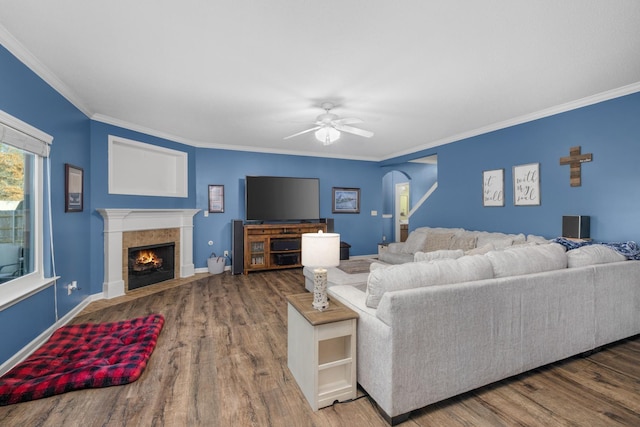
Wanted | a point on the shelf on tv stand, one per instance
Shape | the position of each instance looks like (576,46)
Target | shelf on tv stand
(258,240)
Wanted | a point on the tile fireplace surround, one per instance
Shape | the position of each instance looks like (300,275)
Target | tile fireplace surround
(119,221)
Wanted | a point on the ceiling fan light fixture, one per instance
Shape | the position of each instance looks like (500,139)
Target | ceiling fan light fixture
(327,135)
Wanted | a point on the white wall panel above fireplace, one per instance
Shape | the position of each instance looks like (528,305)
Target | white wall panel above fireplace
(146,170)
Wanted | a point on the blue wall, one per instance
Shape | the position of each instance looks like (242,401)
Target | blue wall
(609,193)
(27,97)
(229,168)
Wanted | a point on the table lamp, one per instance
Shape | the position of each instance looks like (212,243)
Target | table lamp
(319,251)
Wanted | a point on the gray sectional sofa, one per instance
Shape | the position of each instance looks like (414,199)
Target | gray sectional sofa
(431,330)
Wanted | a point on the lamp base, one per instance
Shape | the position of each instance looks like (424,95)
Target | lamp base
(320,300)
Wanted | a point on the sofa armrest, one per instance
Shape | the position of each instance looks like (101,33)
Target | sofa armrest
(352,297)
(395,247)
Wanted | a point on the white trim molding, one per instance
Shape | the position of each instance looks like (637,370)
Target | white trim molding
(38,341)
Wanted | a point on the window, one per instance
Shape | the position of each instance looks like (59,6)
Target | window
(22,153)
(17,194)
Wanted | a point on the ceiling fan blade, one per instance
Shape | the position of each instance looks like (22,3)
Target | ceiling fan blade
(348,121)
(303,132)
(355,131)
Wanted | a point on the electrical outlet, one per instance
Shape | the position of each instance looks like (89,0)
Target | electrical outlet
(226,253)
(71,287)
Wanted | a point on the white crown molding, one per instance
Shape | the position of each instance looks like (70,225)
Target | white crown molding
(548,112)
(28,59)
(562,108)
(18,50)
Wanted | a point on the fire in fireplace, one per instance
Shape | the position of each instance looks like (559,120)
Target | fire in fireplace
(151,264)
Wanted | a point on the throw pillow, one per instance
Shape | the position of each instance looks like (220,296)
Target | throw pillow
(593,254)
(441,254)
(437,241)
(420,274)
(465,243)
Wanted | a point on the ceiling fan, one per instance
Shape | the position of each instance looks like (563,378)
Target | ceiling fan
(328,126)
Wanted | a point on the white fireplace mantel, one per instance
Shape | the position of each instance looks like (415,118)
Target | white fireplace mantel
(117,221)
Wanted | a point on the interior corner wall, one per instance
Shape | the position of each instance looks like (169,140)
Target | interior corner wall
(100,197)
(609,193)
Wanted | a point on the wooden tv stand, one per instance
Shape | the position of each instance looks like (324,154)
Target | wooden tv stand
(275,246)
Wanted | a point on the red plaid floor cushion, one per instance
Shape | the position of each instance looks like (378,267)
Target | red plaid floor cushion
(83,356)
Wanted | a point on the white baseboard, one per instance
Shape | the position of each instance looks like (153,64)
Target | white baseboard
(363,256)
(206,270)
(42,338)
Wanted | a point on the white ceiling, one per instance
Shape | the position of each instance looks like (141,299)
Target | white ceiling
(243,74)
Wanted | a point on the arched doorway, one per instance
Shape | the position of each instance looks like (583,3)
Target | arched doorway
(405,187)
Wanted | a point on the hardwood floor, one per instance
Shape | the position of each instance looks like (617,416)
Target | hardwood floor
(221,360)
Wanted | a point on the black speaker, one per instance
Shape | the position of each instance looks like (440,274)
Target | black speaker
(576,226)
(285,245)
(287,259)
(237,246)
(329,222)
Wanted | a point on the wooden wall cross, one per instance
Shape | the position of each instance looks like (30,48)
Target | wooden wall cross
(575,160)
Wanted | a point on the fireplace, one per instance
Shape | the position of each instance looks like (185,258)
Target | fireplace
(150,264)
(124,228)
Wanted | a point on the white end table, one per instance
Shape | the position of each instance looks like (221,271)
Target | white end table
(322,350)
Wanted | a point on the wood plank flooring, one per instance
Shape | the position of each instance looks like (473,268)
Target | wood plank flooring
(221,360)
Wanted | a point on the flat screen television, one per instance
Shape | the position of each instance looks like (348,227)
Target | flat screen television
(276,199)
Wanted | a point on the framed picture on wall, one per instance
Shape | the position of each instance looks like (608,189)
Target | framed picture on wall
(346,200)
(526,185)
(493,187)
(216,198)
(73,188)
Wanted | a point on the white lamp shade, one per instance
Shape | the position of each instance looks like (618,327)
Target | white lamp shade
(321,249)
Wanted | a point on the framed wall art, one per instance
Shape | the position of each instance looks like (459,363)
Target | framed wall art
(526,185)
(216,198)
(493,187)
(73,188)
(346,200)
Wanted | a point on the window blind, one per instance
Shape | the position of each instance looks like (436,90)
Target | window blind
(21,135)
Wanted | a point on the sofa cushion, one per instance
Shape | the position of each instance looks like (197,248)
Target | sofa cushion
(419,274)
(499,240)
(527,259)
(395,257)
(481,250)
(593,254)
(437,241)
(414,243)
(376,265)
(532,238)
(441,254)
